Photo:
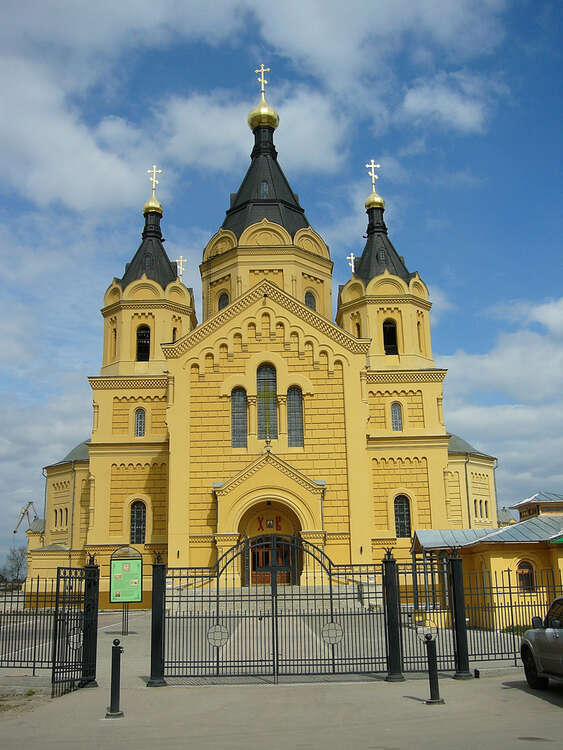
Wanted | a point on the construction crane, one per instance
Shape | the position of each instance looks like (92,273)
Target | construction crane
(26,513)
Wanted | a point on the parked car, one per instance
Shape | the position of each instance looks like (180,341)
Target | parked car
(542,648)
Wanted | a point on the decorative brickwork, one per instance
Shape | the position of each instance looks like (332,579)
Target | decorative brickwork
(128,480)
(393,476)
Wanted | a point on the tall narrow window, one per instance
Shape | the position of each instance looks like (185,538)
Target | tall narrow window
(140,423)
(148,262)
(390,337)
(525,576)
(264,189)
(223,301)
(396,417)
(138,522)
(358,330)
(174,334)
(266,390)
(419,335)
(66,516)
(481,508)
(143,343)
(475,506)
(294,417)
(239,422)
(402,516)
(486,508)
(310,301)
(113,351)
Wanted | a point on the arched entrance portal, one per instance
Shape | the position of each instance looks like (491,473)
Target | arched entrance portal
(275,553)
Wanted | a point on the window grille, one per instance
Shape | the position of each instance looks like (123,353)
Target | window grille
(310,301)
(390,337)
(143,343)
(223,301)
(402,516)
(138,522)
(239,422)
(140,423)
(396,417)
(266,389)
(525,576)
(294,417)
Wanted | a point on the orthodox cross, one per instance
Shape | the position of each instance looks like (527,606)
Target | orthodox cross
(180,263)
(371,167)
(351,258)
(153,173)
(261,79)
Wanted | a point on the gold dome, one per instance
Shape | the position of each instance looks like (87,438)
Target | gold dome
(374,200)
(153,204)
(263,114)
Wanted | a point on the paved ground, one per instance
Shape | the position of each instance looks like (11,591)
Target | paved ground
(497,711)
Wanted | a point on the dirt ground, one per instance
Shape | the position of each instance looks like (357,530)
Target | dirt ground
(17,702)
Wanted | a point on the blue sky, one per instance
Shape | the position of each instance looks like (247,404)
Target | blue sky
(458,100)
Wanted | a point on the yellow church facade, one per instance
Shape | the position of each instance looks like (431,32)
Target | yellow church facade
(268,416)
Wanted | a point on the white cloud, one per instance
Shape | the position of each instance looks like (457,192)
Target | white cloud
(458,100)
(441,303)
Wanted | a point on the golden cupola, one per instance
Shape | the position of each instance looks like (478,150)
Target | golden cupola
(263,114)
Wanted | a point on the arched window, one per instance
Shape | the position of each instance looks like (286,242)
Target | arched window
(525,576)
(148,262)
(310,301)
(402,516)
(486,508)
(358,330)
(143,343)
(55,512)
(475,504)
(419,335)
(396,417)
(113,351)
(266,390)
(174,334)
(264,189)
(481,508)
(66,517)
(223,301)
(138,522)
(390,337)
(239,423)
(294,417)
(140,423)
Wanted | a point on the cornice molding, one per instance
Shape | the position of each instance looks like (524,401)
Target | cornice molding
(165,304)
(286,301)
(384,299)
(405,376)
(116,382)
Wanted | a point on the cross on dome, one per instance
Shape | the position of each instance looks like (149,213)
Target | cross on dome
(351,261)
(153,173)
(371,167)
(261,78)
(180,263)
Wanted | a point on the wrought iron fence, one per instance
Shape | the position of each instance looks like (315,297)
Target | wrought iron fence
(51,623)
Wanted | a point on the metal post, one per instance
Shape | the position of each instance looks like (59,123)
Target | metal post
(430,643)
(460,626)
(113,711)
(125,619)
(157,624)
(392,618)
(90,625)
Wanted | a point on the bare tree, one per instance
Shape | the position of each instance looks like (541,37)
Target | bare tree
(16,564)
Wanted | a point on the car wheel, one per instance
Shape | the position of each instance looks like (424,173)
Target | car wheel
(533,679)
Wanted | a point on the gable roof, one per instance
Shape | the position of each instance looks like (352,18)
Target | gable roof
(265,288)
(459,445)
(542,497)
(428,539)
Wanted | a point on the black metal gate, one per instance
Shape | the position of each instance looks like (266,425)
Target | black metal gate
(274,605)
(75,629)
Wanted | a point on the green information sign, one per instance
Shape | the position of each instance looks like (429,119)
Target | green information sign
(126,581)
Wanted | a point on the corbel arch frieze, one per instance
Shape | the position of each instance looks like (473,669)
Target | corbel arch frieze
(285,379)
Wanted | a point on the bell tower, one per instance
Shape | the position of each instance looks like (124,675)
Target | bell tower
(148,306)
(383,301)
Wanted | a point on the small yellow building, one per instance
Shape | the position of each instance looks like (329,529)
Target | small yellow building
(267,416)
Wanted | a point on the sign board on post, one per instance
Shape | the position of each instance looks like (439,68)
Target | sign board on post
(126,580)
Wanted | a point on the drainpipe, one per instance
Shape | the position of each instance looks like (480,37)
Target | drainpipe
(495,483)
(467,490)
(42,536)
(72,515)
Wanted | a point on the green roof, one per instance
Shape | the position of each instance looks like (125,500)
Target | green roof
(459,445)
(78,453)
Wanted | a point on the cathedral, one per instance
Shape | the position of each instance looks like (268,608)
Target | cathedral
(265,417)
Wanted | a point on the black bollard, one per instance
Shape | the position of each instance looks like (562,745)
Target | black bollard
(432,670)
(113,711)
